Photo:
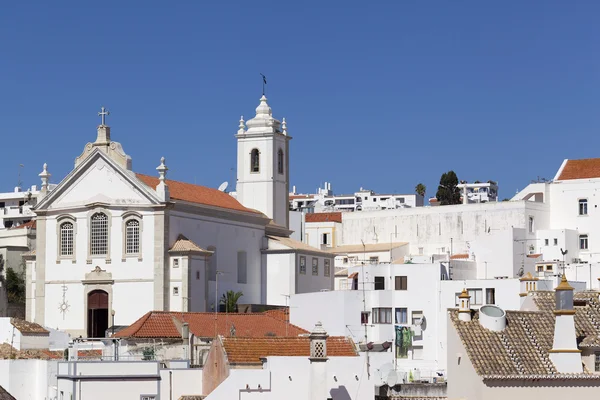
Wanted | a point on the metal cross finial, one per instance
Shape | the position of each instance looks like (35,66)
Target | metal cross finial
(103,114)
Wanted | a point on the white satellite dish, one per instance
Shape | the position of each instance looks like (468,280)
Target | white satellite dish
(223,187)
(383,374)
(392,378)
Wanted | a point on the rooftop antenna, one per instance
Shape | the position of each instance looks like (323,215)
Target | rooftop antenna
(564,253)
(19,183)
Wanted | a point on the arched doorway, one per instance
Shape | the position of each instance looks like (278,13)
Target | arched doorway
(97,313)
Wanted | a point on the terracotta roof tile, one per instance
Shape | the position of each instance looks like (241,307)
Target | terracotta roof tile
(30,224)
(459,256)
(185,245)
(297,245)
(251,350)
(163,324)
(26,327)
(324,217)
(521,349)
(197,194)
(581,169)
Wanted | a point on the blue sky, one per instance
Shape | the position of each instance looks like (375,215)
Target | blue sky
(382,95)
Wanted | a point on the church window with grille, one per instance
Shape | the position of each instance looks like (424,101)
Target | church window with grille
(99,234)
(66,239)
(132,242)
(280,161)
(254,160)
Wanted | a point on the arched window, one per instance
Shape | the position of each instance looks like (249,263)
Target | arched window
(99,234)
(280,161)
(132,236)
(254,160)
(66,239)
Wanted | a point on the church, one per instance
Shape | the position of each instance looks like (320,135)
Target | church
(113,244)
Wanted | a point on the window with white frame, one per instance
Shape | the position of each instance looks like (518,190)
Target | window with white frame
(401,315)
(327,267)
(176,263)
(583,203)
(66,239)
(583,242)
(556,241)
(175,291)
(546,242)
(531,224)
(132,236)
(315,266)
(476,296)
(382,315)
(99,234)
(254,160)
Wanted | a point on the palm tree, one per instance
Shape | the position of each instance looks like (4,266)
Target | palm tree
(230,300)
(421,189)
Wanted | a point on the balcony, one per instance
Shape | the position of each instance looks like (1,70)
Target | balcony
(17,212)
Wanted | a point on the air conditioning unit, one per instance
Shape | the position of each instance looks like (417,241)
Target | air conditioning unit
(576,260)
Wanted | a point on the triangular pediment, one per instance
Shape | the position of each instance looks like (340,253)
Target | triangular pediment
(98,180)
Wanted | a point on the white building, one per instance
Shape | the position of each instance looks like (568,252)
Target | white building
(324,200)
(15,207)
(113,244)
(407,297)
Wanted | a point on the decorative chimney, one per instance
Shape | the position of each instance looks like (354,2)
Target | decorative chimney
(464,306)
(318,363)
(45,176)
(162,189)
(528,284)
(564,354)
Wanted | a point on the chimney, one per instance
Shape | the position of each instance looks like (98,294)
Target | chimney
(528,284)
(318,363)
(45,176)
(564,354)
(464,306)
(162,189)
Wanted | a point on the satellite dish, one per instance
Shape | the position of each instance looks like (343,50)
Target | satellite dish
(521,272)
(392,378)
(383,374)
(223,187)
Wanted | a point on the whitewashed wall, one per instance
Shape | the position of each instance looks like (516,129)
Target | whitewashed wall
(28,379)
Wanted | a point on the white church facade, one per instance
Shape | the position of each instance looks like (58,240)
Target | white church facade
(113,245)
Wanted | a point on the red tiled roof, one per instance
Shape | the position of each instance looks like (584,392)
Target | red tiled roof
(197,194)
(534,255)
(459,256)
(324,217)
(251,350)
(280,313)
(163,324)
(30,224)
(581,169)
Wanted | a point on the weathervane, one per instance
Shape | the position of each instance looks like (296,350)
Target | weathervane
(264,79)
(63,306)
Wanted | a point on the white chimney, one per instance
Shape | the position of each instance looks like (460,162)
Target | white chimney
(318,363)
(564,354)
(162,189)
(464,306)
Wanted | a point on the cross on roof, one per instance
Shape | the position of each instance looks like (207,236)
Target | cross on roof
(103,114)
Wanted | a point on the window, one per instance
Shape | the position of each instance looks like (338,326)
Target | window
(364,317)
(99,234)
(582,206)
(597,361)
(197,275)
(531,224)
(66,239)
(540,268)
(420,250)
(379,283)
(345,260)
(254,160)
(373,260)
(475,296)
(241,267)
(145,397)
(555,241)
(546,241)
(583,242)
(401,316)
(132,242)
(176,263)
(325,237)
(417,353)
(549,267)
(315,266)
(382,315)
(327,267)
(212,264)
(490,296)
(280,161)
(401,282)
(175,291)
(303,265)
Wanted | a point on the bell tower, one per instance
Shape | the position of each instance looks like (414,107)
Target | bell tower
(263,164)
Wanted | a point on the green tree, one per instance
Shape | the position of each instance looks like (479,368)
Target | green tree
(421,189)
(230,300)
(15,286)
(448,192)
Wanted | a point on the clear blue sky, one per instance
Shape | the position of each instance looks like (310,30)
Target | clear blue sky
(382,95)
